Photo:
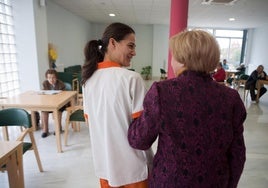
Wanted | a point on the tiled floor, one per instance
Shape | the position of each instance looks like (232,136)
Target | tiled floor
(73,168)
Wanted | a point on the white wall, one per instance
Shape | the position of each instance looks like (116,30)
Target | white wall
(97,30)
(258,48)
(144,48)
(24,22)
(40,18)
(160,49)
(35,27)
(69,33)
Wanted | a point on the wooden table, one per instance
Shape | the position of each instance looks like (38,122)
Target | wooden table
(11,156)
(259,84)
(33,101)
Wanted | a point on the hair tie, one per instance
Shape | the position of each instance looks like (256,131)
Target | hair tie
(99,44)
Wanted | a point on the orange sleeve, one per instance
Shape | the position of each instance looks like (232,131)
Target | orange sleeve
(136,114)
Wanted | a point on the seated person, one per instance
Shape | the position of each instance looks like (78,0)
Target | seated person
(241,69)
(51,83)
(225,66)
(219,75)
(256,75)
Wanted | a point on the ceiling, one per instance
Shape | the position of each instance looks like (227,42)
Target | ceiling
(248,13)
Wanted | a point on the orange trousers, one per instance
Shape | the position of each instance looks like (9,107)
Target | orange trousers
(142,184)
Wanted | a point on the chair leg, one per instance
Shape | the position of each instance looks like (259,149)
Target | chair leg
(66,132)
(247,94)
(74,126)
(5,133)
(36,151)
(78,126)
(246,91)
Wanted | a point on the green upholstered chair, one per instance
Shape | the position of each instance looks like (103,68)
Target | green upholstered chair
(163,74)
(68,79)
(12,117)
(74,69)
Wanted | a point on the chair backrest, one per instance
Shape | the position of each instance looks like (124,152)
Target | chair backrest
(15,117)
(162,71)
(65,77)
(73,69)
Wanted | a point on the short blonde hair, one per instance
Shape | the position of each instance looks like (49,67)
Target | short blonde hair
(197,50)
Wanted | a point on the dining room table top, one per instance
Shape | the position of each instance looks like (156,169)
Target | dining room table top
(35,99)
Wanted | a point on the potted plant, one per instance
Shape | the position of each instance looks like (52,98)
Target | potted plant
(146,72)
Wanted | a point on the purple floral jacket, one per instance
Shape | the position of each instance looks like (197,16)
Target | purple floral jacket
(199,126)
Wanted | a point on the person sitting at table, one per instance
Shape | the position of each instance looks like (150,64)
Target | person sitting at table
(51,83)
(256,75)
(219,75)
(240,69)
(225,66)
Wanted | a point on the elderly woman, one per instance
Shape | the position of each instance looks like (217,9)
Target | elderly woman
(198,122)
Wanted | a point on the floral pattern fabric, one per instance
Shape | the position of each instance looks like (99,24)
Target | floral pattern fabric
(199,126)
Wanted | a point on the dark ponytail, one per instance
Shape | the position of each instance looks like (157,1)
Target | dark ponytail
(93,55)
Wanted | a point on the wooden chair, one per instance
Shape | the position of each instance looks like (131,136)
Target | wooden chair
(79,88)
(75,115)
(16,117)
(242,83)
(163,75)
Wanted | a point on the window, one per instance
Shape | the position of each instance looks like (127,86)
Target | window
(230,42)
(9,79)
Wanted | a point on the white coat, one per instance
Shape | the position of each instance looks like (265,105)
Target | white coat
(111,96)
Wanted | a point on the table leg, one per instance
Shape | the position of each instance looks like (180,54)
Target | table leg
(20,166)
(33,118)
(15,169)
(57,130)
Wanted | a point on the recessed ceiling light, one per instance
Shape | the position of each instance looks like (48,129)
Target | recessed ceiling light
(231,19)
(111,14)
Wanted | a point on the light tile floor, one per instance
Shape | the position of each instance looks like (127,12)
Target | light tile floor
(74,168)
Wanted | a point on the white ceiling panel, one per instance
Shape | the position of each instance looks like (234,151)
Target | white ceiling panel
(248,13)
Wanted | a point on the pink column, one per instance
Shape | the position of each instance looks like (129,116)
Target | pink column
(178,22)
